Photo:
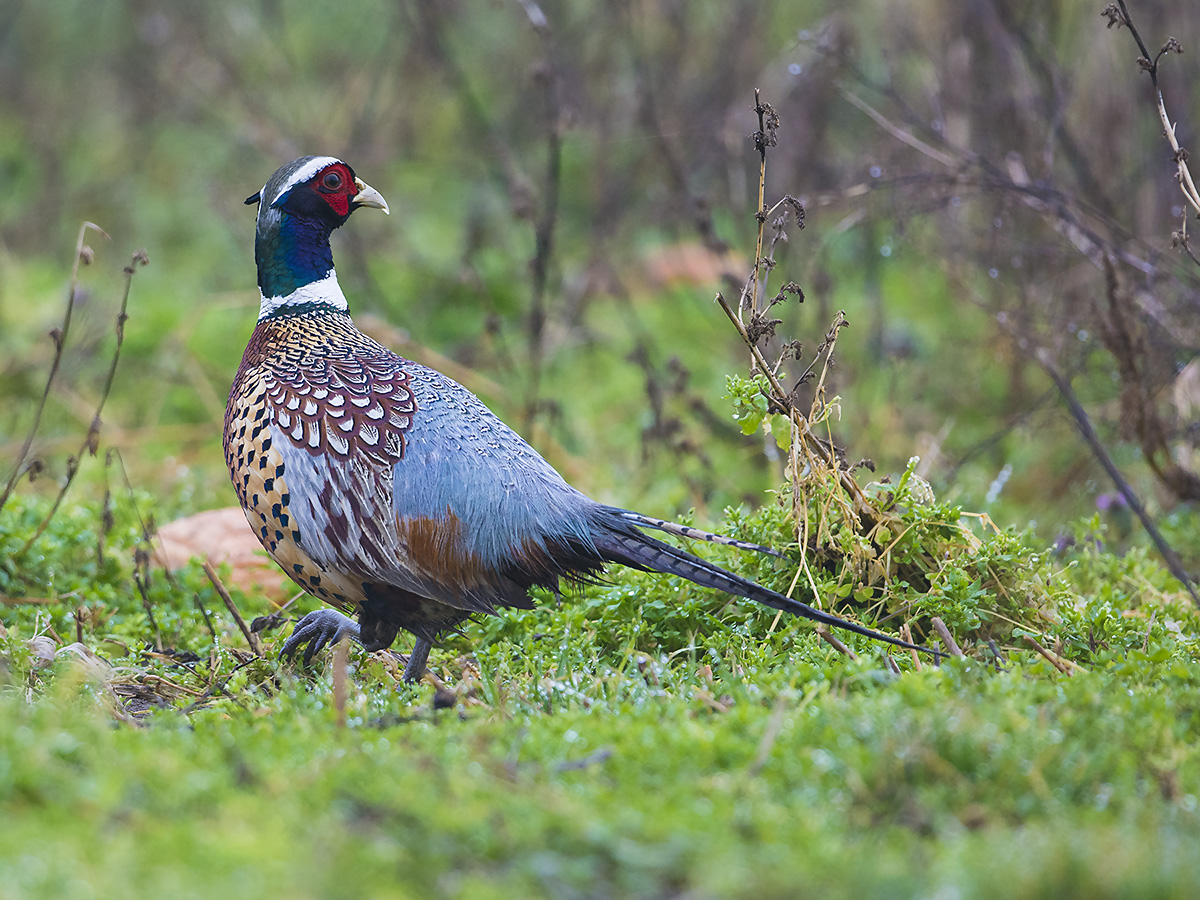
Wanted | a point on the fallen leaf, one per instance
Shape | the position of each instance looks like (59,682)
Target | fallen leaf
(222,536)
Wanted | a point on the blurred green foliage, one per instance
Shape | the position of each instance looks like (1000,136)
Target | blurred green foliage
(156,120)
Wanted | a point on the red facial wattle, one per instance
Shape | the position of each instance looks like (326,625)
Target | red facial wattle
(335,184)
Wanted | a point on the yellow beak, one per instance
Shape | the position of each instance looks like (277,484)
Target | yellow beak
(368,196)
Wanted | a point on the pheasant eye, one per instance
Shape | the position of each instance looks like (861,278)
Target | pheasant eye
(332,181)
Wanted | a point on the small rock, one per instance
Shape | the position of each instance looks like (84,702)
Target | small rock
(95,667)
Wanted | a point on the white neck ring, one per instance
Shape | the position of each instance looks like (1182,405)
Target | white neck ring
(325,292)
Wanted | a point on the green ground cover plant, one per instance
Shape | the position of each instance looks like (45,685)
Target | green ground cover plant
(644,740)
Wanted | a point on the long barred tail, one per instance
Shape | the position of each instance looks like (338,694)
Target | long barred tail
(686,531)
(644,552)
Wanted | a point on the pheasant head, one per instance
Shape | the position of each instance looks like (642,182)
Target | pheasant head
(298,208)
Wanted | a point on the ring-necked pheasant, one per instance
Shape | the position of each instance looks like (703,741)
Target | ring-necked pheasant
(385,488)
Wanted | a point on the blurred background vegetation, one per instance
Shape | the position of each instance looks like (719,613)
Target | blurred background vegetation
(989,197)
(570,185)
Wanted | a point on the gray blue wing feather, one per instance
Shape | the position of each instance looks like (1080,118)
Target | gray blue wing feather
(461,459)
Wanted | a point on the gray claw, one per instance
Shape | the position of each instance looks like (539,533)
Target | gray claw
(321,628)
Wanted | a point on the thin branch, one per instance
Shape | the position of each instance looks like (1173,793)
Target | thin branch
(204,613)
(1052,658)
(906,634)
(975,171)
(1083,423)
(140,581)
(895,131)
(759,360)
(1149,64)
(547,219)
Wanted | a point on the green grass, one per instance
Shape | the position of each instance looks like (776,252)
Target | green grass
(644,740)
(1017,785)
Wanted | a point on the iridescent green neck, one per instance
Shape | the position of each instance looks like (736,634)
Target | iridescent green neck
(290,252)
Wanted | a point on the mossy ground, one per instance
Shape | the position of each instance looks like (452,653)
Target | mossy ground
(643,740)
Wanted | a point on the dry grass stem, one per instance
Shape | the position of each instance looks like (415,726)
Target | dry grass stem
(1052,658)
(91,440)
(83,254)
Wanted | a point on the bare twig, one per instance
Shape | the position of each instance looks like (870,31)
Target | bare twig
(91,440)
(839,322)
(83,254)
(30,601)
(1083,423)
(251,637)
(1052,658)
(759,360)
(836,644)
(204,613)
(947,638)
(905,137)
(147,606)
(1118,15)
(768,122)
(106,513)
(1150,66)
(906,634)
(1118,330)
